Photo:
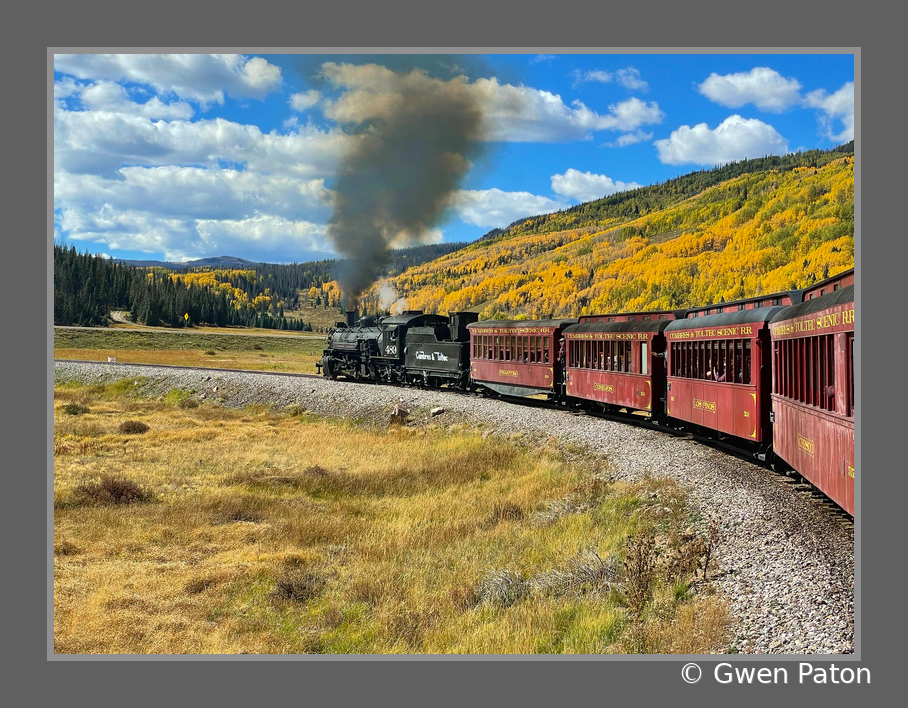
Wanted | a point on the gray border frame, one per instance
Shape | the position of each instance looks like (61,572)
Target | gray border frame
(460,681)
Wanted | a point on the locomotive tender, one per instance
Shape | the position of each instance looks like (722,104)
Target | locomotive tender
(772,375)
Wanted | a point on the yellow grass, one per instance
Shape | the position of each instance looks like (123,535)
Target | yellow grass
(272,533)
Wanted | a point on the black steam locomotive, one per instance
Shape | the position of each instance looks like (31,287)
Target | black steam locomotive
(409,348)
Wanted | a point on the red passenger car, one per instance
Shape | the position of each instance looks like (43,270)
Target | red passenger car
(518,358)
(719,374)
(813,392)
(618,364)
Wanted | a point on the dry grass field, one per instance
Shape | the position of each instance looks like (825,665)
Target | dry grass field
(248,349)
(183,528)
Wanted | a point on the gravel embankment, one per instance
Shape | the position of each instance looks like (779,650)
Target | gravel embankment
(786,562)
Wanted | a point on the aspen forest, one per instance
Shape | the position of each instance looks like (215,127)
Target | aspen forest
(757,232)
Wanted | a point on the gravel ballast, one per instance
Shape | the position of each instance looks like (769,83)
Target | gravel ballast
(786,562)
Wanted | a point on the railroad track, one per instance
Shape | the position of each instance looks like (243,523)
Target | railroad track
(796,482)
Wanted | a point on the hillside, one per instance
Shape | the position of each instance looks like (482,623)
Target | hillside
(754,227)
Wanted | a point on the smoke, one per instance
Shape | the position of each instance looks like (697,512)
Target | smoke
(389,300)
(411,139)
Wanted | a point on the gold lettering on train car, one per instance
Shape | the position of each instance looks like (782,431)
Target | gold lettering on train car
(851,471)
(608,388)
(848,317)
(830,320)
(747,414)
(806,445)
(709,406)
(505,372)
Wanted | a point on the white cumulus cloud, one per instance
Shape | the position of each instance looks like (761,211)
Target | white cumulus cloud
(494,208)
(260,237)
(193,192)
(521,114)
(596,75)
(763,87)
(837,106)
(630,78)
(267,237)
(113,98)
(304,101)
(638,136)
(101,142)
(205,78)
(586,186)
(736,138)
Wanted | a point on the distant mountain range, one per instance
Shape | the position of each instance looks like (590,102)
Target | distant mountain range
(223,262)
(399,260)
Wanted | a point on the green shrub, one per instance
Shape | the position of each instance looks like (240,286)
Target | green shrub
(177,396)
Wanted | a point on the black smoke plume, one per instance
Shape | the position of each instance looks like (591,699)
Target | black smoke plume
(411,141)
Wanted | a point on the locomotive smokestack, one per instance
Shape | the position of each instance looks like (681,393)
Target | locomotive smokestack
(410,143)
(352,316)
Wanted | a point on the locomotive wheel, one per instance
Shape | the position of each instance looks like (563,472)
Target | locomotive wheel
(329,370)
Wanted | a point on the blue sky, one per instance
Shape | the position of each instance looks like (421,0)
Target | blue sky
(177,157)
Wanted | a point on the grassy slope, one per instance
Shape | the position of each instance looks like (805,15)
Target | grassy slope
(265,531)
(755,233)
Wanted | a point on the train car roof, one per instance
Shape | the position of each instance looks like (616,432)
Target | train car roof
(849,272)
(823,302)
(489,324)
(678,314)
(793,295)
(625,326)
(760,314)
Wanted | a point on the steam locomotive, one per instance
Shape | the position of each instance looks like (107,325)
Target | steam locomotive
(409,348)
(771,375)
